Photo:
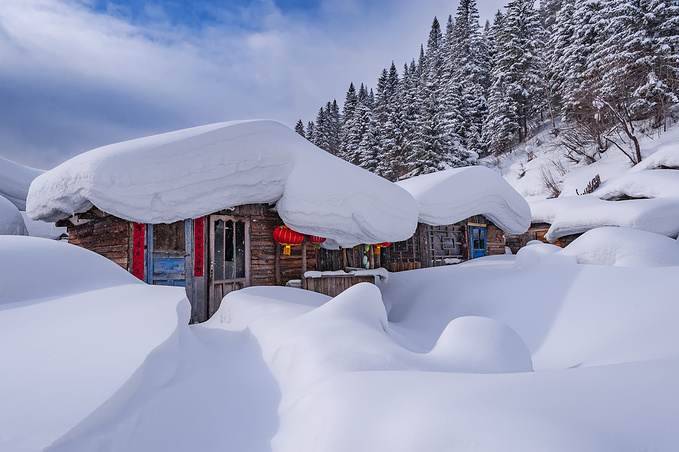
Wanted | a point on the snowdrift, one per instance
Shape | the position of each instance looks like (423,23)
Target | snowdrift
(11,221)
(15,180)
(74,329)
(194,172)
(453,195)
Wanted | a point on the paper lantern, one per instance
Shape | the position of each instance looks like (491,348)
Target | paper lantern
(287,237)
(316,241)
(379,246)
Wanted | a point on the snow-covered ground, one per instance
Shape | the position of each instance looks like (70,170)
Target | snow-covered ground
(536,351)
(551,349)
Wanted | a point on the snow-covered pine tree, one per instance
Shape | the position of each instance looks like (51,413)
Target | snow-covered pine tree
(635,70)
(470,69)
(299,128)
(516,93)
(349,145)
(431,145)
(333,126)
(310,131)
(319,137)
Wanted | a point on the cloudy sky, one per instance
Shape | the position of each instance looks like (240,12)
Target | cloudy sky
(77,74)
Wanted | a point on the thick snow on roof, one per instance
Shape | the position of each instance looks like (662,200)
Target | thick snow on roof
(15,180)
(194,172)
(11,221)
(450,196)
(656,210)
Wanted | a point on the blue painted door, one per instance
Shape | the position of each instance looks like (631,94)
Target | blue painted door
(167,253)
(478,239)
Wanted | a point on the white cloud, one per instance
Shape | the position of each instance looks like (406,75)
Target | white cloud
(79,79)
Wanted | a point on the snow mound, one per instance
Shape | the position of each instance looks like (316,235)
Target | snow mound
(622,247)
(11,221)
(659,183)
(75,328)
(666,156)
(453,195)
(577,214)
(194,172)
(482,345)
(534,252)
(15,180)
(59,267)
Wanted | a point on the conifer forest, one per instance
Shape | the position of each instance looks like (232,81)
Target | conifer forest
(597,73)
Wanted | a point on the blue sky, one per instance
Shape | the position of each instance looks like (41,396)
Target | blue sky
(77,74)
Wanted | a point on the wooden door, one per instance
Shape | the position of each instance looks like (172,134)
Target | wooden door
(229,257)
(167,253)
(478,239)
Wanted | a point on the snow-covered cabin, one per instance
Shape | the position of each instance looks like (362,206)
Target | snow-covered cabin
(463,214)
(198,207)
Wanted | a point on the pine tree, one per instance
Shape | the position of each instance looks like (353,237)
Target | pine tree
(349,144)
(299,128)
(516,94)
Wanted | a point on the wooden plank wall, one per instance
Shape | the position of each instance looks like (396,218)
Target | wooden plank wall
(269,266)
(334,285)
(495,240)
(108,235)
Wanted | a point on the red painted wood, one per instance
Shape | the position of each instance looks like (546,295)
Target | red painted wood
(199,251)
(138,239)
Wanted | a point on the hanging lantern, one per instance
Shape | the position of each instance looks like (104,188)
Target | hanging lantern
(316,241)
(379,246)
(287,237)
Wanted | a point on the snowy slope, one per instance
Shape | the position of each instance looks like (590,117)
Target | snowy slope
(194,172)
(645,196)
(15,180)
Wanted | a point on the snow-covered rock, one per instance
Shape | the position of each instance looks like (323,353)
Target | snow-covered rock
(453,195)
(194,172)
(11,221)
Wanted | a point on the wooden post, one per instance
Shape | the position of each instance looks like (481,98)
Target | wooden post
(343,257)
(371,256)
(278,264)
(303,262)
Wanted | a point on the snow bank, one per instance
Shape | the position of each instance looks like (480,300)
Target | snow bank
(453,195)
(661,183)
(34,268)
(11,221)
(194,172)
(74,329)
(15,180)
(624,248)
(577,214)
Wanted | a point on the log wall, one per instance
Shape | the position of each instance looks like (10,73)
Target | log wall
(334,285)
(106,235)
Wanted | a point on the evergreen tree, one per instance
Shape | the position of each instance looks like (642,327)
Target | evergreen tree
(299,128)
(349,144)
(333,127)
(310,131)
(516,93)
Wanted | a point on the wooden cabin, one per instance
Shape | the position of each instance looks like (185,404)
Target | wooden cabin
(433,246)
(210,256)
(536,231)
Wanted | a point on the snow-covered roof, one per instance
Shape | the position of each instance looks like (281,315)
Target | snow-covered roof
(11,221)
(656,208)
(453,195)
(194,172)
(15,180)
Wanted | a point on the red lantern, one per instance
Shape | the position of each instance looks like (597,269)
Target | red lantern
(287,237)
(316,241)
(379,246)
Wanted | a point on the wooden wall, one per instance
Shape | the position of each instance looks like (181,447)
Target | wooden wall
(495,240)
(104,234)
(269,266)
